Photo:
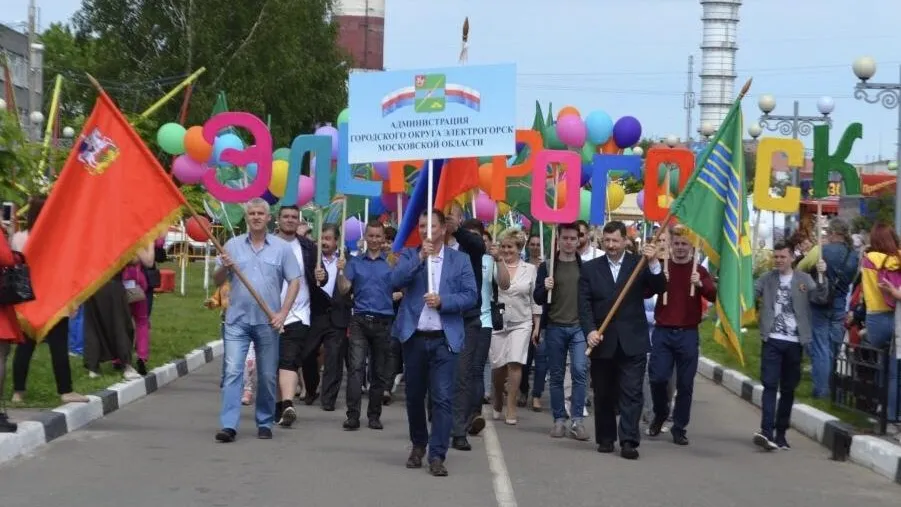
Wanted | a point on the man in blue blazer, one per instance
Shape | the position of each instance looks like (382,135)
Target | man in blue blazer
(431,331)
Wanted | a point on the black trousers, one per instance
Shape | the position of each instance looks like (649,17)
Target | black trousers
(462,407)
(334,341)
(618,383)
(58,341)
(370,336)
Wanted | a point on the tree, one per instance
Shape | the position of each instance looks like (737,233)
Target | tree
(275,58)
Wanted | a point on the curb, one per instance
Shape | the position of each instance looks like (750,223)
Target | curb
(52,424)
(843,442)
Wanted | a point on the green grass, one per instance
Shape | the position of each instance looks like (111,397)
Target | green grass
(178,325)
(751,349)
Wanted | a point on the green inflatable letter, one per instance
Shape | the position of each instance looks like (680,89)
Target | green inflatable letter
(824,163)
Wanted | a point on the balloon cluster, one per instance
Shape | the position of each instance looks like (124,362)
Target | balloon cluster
(194,156)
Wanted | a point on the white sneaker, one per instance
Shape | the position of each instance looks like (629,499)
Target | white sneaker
(93,374)
(397,380)
(130,373)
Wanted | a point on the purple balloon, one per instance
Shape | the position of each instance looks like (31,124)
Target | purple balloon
(268,197)
(353,229)
(640,199)
(381,168)
(626,132)
(187,170)
(328,130)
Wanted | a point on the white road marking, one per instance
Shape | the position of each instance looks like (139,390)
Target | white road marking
(503,487)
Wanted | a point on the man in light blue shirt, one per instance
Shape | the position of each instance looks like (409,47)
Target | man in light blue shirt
(266,262)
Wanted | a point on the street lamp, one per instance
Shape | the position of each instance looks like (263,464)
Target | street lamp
(889,95)
(707,130)
(671,140)
(755,130)
(794,125)
(68,132)
(2,104)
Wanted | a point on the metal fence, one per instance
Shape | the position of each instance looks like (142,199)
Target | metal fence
(859,382)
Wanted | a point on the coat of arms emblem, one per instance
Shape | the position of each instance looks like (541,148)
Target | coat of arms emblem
(97,152)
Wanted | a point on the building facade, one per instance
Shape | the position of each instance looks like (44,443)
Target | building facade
(14,45)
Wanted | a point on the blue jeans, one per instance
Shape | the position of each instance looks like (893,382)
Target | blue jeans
(780,371)
(880,333)
(430,365)
(673,347)
(560,340)
(237,339)
(828,325)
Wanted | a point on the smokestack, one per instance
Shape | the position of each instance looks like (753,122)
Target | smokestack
(720,23)
(361,32)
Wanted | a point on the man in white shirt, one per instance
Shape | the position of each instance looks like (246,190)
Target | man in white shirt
(586,250)
(293,341)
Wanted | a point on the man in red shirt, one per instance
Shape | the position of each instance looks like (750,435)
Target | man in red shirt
(675,339)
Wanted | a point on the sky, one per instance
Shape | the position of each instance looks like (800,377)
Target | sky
(631,57)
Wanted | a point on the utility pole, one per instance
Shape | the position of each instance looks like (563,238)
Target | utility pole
(689,98)
(33,74)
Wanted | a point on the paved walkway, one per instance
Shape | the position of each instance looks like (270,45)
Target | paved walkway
(160,451)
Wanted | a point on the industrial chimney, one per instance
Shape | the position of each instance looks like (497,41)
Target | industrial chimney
(720,21)
(361,25)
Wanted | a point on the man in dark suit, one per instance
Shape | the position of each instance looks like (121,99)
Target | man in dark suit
(295,336)
(330,318)
(430,327)
(618,358)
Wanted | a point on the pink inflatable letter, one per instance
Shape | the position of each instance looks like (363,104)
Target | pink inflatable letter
(572,170)
(260,153)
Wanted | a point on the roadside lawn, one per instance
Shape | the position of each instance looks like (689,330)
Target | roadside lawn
(178,325)
(751,349)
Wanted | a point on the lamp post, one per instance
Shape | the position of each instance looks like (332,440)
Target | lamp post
(707,130)
(794,125)
(889,95)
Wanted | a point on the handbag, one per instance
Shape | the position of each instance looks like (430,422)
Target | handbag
(134,295)
(497,310)
(15,282)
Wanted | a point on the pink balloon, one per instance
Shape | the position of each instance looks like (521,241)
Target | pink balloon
(187,170)
(390,201)
(526,223)
(485,207)
(305,190)
(571,131)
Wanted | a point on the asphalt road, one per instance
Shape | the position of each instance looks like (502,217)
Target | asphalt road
(160,452)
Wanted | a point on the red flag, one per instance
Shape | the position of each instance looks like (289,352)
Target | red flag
(458,176)
(112,198)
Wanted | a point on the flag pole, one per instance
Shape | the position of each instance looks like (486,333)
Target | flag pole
(167,97)
(644,260)
(209,234)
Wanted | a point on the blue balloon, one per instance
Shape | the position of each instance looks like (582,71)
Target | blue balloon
(586,174)
(251,170)
(268,197)
(376,208)
(223,142)
(600,127)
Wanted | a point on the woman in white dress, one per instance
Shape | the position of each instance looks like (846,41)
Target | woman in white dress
(510,347)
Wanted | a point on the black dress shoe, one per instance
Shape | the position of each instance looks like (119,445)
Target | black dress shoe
(141,367)
(351,424)
(461,444)
(477,425)
(415,459)
(264,434)
(656,426)
(6,426)
(680,439)
(375,424)
(311,398)
(606,447)
(437,468)
(628,451)
(226,435)
(328,408)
